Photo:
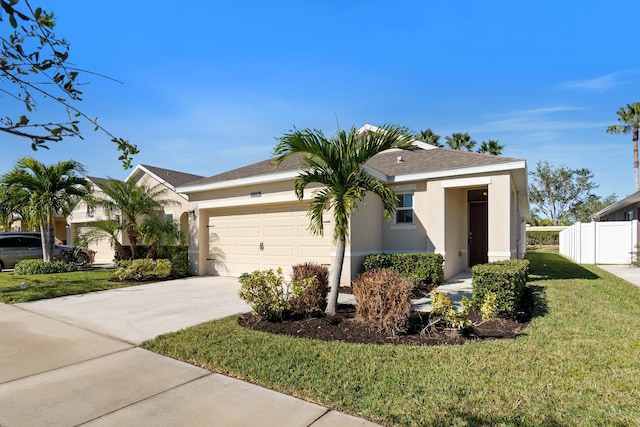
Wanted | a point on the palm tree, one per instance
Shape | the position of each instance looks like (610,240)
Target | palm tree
(492,147)
(429,137)
(460,141)
(131,203)
(629,121)
(97,231)
(44,191)
(337,163)
(156,230)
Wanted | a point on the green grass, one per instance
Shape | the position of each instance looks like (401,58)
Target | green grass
(578,363)
(42,286)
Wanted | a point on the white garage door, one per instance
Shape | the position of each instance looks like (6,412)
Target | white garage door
(260,238)
(103,249)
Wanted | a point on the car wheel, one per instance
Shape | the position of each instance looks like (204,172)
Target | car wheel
(82,258)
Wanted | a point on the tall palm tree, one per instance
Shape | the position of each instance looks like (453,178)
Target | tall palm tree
(460,141)
(629,121)
(337,163)
(492,147)
(46,190)
(131,203)
(429,137)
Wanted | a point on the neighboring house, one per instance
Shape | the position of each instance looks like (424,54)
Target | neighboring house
(143,175)
(626,209)
(469,207)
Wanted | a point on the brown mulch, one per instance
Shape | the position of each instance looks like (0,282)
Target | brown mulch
(420,291)
(344,327)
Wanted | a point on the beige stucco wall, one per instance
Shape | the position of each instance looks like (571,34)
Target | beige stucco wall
(501,218)
(456,224)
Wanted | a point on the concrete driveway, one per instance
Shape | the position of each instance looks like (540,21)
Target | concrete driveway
(73,361)
(139,313)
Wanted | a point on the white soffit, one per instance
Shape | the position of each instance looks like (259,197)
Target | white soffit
(499,167)
(259,179)
(466,182)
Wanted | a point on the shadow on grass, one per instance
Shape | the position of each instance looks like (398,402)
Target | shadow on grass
(540,306)
(461,417)
(550,266)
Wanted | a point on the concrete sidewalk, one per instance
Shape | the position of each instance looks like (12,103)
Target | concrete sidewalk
(626,272)
(73,361)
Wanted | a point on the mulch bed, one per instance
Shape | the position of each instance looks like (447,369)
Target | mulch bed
(344,327)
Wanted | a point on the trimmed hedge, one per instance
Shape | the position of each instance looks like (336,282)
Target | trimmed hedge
(163,252)
(38,266)
(543,238)
(143,269)
(506,279)
(179,265)
(315,281)
(416,268)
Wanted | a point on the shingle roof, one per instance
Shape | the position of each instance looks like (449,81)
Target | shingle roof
(98,181)
(416,161)
(436,159)
(264,167)
(175,178)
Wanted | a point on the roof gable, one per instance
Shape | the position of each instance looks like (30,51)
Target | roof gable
(167,176)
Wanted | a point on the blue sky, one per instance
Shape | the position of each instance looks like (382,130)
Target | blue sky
(209,86)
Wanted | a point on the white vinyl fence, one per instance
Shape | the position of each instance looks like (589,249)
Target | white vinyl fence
(600,242)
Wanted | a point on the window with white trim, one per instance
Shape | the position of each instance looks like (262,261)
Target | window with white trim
(404,211)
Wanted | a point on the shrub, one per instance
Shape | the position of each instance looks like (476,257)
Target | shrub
(416,268)
(383,299)
(143,269)
(506,279)
(543,238)
(163,252)
(38,266)
(265,292)
(444,314)
(179,265)
(313,296)
(489,307)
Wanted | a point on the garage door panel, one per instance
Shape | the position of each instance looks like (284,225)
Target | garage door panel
(283,231)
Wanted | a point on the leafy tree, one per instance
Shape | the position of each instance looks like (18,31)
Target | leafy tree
(629,121)
(492,147)
(132,204)
(429,137)
(337,163)
(558,190)
(460,141)
(35,64)
(582,211)
(45,191)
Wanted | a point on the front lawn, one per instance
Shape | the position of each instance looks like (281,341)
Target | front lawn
(42,286)
(578,363)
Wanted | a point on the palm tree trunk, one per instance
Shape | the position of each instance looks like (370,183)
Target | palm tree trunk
(133,241)
(153,249)
(332,303)
(635,158)
(46,234)
(120,250)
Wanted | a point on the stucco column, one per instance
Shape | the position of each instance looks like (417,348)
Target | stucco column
(500,221)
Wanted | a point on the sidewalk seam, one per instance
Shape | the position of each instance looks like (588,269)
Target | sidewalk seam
(208,373)
(327,410)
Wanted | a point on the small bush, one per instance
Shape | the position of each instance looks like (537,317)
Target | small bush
(443,314)
(163,252)
(543,238)
(416,268)
(143,269)
(506,279)
(314,295)
(179,265)
(489,308)
(38,266)
(383,299)
(265,292)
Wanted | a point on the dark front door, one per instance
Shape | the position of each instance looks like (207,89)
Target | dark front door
(478,233)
